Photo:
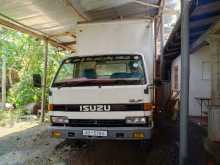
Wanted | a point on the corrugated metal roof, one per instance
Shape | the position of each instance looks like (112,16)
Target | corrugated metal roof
(56,19)
(125,10)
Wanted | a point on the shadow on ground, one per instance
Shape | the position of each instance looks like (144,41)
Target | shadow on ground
(163,151)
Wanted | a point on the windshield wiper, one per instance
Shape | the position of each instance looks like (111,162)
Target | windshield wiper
(97,82)
(126,81)
(71,83)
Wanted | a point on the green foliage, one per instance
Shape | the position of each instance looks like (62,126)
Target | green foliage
(25,55)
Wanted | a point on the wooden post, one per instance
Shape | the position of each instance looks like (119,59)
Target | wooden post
(4,82)
(44,81)
(161,46)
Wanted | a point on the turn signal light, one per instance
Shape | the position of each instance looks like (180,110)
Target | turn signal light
(138,135)
(50,107)
(148,106)
(56,134)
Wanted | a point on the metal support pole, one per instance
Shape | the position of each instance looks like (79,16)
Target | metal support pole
(185,64)
(44,82)
(4,81)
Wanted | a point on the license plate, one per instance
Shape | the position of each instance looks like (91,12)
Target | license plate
(94,133)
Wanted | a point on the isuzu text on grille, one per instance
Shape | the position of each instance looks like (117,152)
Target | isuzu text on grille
(94,108)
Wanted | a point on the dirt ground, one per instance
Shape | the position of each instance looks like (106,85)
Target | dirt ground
(29,144)
(26,143)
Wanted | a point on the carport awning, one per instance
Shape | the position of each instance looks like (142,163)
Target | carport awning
(55,20)
(203,14)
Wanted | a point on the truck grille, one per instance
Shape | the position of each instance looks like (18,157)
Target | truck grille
(98,123)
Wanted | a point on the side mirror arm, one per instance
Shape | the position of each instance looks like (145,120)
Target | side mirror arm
(146,90)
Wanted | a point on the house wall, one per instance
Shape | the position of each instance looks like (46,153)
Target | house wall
(200,78)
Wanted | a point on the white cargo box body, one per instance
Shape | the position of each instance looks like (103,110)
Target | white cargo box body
(117,37)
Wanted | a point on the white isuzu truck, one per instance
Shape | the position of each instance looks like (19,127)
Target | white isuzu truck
(104,91)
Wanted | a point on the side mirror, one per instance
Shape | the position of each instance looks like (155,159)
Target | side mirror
(37,80)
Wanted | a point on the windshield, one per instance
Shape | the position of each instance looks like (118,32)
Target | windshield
(101,70)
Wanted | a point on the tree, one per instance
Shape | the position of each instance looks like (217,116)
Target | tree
(25,56)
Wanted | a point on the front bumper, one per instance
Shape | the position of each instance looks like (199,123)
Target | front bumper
(113,133)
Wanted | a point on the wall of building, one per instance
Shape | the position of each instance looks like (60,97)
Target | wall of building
(200,78)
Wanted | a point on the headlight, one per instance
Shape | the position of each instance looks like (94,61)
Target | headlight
(136,120)
(59,119)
